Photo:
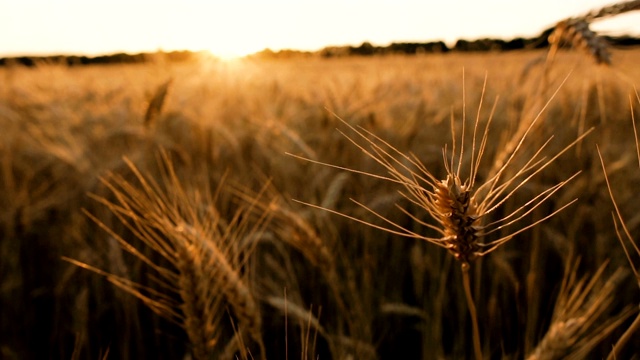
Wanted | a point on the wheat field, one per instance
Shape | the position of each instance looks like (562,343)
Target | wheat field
(225,210)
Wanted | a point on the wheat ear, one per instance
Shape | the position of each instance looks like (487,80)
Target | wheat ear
(156,103)
(576,32)
(204,250)
(460,208)
(574,331)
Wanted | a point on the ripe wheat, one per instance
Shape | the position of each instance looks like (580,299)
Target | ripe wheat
(576,33)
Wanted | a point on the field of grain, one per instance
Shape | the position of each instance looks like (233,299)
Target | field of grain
(163,211)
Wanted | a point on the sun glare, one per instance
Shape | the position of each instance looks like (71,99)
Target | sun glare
(232,51)
(226,56)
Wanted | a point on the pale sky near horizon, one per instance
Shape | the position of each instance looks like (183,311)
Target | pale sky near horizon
(84,27)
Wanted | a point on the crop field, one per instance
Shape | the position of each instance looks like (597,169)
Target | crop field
(436,206)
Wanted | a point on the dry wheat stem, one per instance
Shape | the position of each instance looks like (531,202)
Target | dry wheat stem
(477,348)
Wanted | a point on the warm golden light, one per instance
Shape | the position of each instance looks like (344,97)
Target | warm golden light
(234,29)
(231,52)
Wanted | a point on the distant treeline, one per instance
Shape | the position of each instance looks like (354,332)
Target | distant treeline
(120,58)
(365,49)
(461,45)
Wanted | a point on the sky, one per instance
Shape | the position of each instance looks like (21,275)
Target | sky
(235,28)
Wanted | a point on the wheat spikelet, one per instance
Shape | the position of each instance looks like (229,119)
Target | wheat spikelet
(457,211)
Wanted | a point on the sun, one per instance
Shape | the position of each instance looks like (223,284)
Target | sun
(226,56)
(232,51)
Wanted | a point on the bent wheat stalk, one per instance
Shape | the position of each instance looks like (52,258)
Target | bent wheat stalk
(460,208)
(576,32)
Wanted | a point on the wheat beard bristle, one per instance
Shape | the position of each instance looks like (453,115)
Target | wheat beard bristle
(457,213)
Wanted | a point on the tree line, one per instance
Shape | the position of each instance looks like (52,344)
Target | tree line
(364,49)
(119,58)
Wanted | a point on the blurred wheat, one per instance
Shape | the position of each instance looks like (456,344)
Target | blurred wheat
(631,249)
(576,33)
(207,256)
(304,283)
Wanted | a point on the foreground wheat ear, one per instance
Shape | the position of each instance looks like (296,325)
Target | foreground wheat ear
(460,208)
(201,275)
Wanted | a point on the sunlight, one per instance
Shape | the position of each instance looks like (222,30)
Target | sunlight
(229,30)
(229,49)
(227,55)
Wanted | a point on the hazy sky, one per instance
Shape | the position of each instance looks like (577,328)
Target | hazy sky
(34,27)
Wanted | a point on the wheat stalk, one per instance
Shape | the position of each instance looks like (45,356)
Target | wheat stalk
(459,207)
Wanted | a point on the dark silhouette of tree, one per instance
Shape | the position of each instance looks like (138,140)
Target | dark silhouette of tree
(364,49)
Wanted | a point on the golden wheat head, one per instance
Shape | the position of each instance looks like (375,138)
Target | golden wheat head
(206,278)
(460,208)
(575,32)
